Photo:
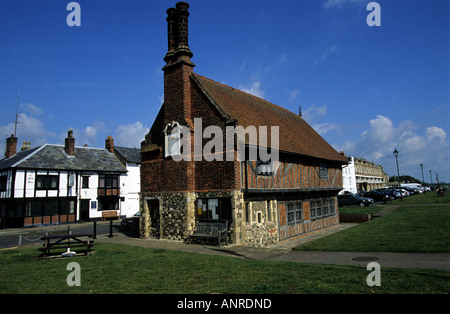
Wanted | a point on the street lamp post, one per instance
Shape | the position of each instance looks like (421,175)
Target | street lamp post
(398,172)
(431,178)
(423,179)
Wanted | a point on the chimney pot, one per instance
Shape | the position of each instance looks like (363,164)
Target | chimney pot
(11,146)
(70,144)
(170,34)
(177,29)
(109,144)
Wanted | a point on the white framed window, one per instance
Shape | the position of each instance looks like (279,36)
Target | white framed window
(172,139)
(264,168)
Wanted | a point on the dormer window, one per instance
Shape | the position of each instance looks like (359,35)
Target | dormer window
(264,168)
(172,139)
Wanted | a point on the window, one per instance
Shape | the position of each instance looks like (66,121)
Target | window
(317,205)
(322,207)
(172,135)
(3,180)
(312,209)
(264,168)
(3,209)
(46,182)
(108,186)
(329,206)
(67,207)
(323,170)
(108,192)
(108,181)
(332,205)
(108,203)
(294,213)
(269,212)
(50,207)
(214,209)
(85,182)
(247,213)
(325,207)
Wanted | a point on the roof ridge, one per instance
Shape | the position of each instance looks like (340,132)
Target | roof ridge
(87,147)
(116,146)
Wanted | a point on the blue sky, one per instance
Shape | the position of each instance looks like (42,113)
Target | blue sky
(366,90)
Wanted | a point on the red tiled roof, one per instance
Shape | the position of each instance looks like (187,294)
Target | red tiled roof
(295,135)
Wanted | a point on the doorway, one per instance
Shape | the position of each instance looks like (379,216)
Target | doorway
(84,210)
(153,209)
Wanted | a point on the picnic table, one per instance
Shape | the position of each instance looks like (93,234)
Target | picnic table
(67,241)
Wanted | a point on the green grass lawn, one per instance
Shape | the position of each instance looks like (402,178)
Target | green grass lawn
(409,228)
(123,269)
(360,210)
(429,197)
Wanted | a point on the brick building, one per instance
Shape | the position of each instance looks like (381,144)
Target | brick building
(264,202)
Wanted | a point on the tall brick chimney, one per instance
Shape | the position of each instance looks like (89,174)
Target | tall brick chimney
(11,146)
(170,35)
(177,80)
(177,85)
(70,143)
(177,33)
(109,144)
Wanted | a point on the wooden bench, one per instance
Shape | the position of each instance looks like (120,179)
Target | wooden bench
(109,214)
(210,230)
(66,241)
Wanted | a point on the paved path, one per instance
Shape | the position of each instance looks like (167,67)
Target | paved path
(284,252)
(395,260)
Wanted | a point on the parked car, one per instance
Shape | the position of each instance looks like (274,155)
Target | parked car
(390,195)
(375,195)
(127,223)
(393,192)
(411,191)
(353,199)
(403,192)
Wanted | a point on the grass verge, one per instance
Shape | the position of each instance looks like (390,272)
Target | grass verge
(122,269)
(409,228)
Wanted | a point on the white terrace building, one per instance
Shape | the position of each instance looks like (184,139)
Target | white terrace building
(361,175)
(53,184)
